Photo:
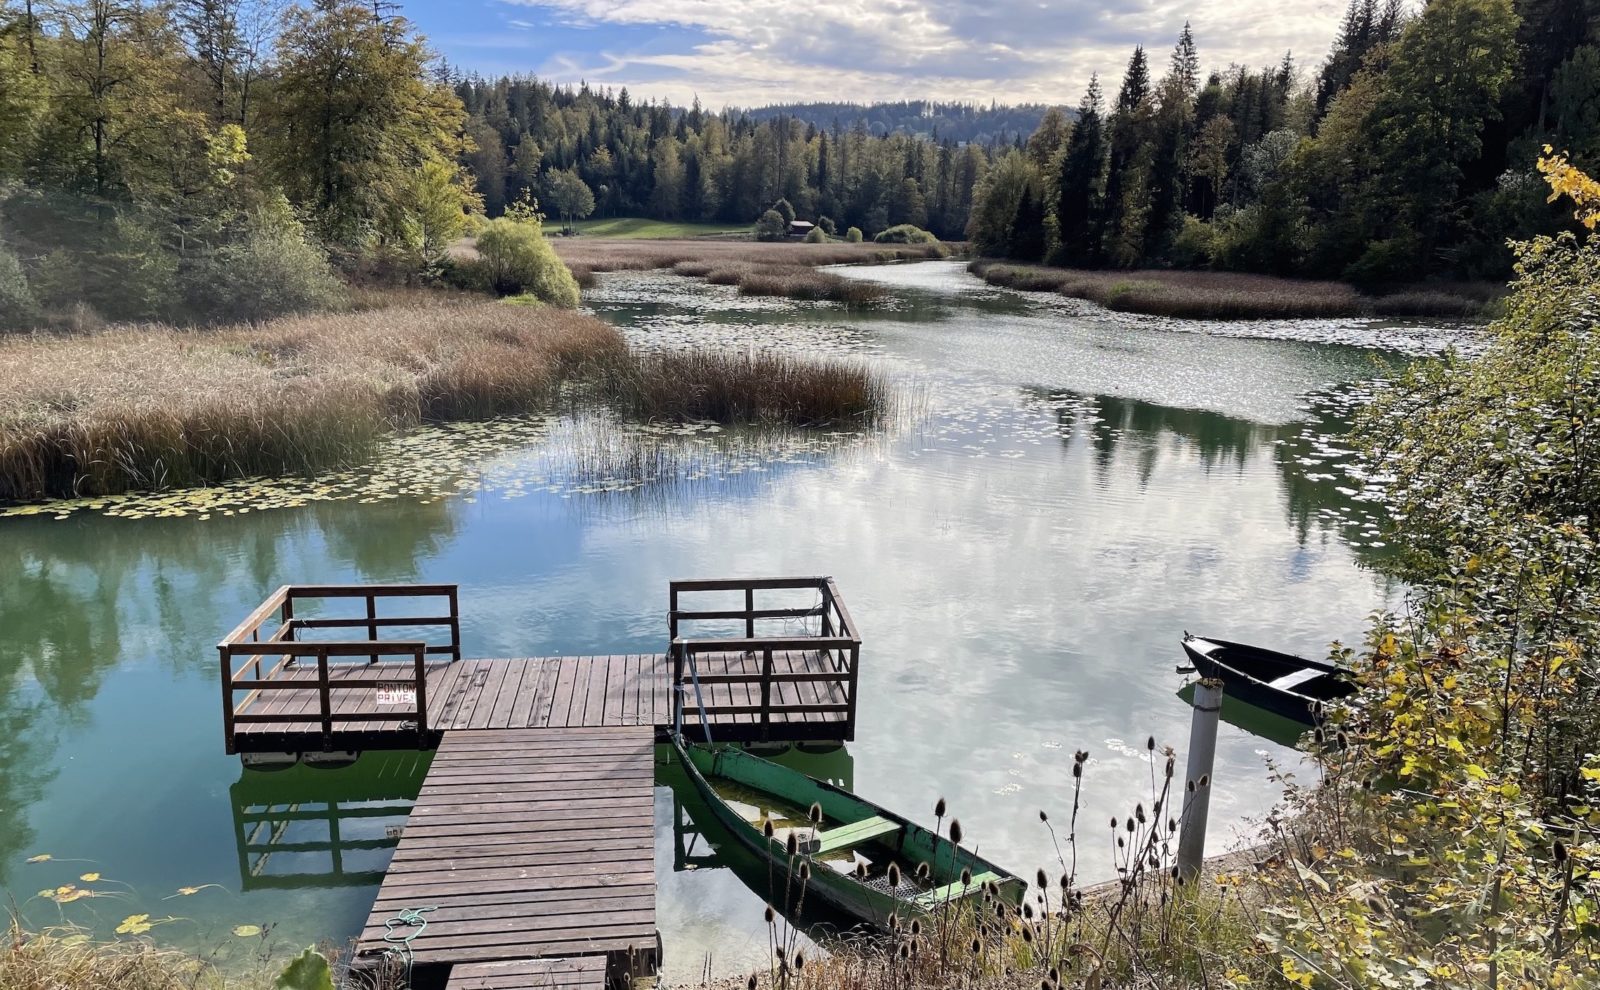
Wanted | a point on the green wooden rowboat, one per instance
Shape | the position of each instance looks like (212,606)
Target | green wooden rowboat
(850,852)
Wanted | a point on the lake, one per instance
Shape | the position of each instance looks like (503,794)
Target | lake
(1063,493)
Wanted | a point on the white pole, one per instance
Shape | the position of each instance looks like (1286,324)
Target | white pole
(1197,781)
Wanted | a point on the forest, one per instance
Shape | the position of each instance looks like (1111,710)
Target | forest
(1409,153)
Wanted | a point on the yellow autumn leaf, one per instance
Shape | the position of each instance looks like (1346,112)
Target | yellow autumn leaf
(135,924)
(41,858)
(247,931)
(1591,773)
(89,877)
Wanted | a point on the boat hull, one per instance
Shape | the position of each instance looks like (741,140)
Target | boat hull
(843,892)
(1210,659)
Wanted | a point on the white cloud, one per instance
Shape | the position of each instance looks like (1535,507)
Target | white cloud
(762,51)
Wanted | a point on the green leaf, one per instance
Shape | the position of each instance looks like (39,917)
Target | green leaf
(308,971)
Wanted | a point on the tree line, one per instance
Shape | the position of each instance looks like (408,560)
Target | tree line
(652,159)
(1409,153)
(217,158)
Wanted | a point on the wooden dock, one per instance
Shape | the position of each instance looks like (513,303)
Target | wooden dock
(528,844)
(532,839)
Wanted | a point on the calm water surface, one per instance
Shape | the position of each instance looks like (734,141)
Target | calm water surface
(1067,491)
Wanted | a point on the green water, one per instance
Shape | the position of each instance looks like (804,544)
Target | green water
(1066,492)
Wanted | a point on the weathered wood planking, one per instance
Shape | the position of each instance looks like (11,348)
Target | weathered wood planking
(530,844)
(582,973)
(547,692)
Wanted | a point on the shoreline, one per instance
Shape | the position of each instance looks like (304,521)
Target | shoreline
(1212,295)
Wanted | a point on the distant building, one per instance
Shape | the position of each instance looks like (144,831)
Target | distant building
(800,228)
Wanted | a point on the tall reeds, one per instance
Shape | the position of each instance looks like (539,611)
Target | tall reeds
(1204,295)
(153,407)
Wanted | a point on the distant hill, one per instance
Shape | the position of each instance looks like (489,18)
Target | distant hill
(960,122)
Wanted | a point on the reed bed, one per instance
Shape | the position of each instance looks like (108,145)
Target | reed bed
(152,407)
(1232,295)
(758,388)
(759,269)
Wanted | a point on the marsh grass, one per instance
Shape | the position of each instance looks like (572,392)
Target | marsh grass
(759,269)
(1234,296)
(153,407)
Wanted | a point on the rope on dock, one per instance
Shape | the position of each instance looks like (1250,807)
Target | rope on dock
(401,929)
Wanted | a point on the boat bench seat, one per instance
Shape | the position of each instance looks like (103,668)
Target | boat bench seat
(953,891)
(1294,680)
(853,834)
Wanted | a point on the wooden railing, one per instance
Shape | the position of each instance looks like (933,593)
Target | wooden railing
(253,660)
(836,644)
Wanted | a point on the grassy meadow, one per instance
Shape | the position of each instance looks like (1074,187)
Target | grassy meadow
(1205,295)
(643,228)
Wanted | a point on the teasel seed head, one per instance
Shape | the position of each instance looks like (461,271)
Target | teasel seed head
(916,927)
(1561,851)
(1138,812)
(924,871)
(1120,843)
(1066,882)
(861,869)
(1170,764)
(1172,825)
(894,921)
(977,945)
(955,831)
(799,961)
(966,876)
(1131,826)
(780,950)
(1040,880)
(1027,933)
(1080,756)
(1027,911)
(1077,770)
(770,914)
(1190,786)
(1113,823)
(750,984)
(766,827)
(1043,817)
(1205,780)
(905,951)
(938,808)
(1150,744)
(816,813)
(894,875)
(791,843)
(805,872)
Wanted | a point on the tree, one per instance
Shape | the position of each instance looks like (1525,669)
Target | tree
(568,195)
(516,259)
(22,98)
(1128,170)
(998,203)
(438,201)
(354,116)
(771,227)
(785,210)
(1080,184)
(666,199)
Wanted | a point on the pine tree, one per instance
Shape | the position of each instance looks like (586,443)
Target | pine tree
(1080,184)
(1127,179)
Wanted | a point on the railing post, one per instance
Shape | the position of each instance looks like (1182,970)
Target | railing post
(372,625)
(227,698)
(455,622)
(286,616)
(677,687)
(766,694)
(750,612)
(327,698)
(422,697)
(672,612)
(1197,779)
(855,668)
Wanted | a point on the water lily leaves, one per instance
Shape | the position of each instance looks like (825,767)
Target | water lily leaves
(135,924)
(191,891)
(90,877)
(247,931)
(308,971)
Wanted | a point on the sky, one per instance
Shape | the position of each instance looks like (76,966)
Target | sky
(751,53)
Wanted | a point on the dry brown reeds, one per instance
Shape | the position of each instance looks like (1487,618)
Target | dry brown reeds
(759,269)
(758,388)
(1206,295)
(153,407)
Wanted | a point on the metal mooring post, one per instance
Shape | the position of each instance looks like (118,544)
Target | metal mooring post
(1197,780)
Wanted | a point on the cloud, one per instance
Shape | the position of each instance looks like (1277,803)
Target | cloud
(749,52)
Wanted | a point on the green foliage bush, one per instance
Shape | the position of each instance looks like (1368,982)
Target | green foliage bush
(905,233)
(786,210)
(1196,244)
(816,236)
(772,227)
(270,268)
(18,308)
(853,235)
(515,259)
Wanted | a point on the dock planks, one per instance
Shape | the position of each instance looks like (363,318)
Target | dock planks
(583,973)
(529,844)
(544,693)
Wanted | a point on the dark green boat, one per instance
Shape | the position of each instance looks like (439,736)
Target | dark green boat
(849,854)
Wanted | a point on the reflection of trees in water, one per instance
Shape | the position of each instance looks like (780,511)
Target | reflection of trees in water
(80,597)
(1309,455)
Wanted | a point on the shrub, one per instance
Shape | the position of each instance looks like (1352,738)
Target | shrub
(1196,244)
(516,259)
(284,272)
(816,236)
(772,226)
(853,235)
(784,209)
(828,226)
(18,309)
(905,233)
